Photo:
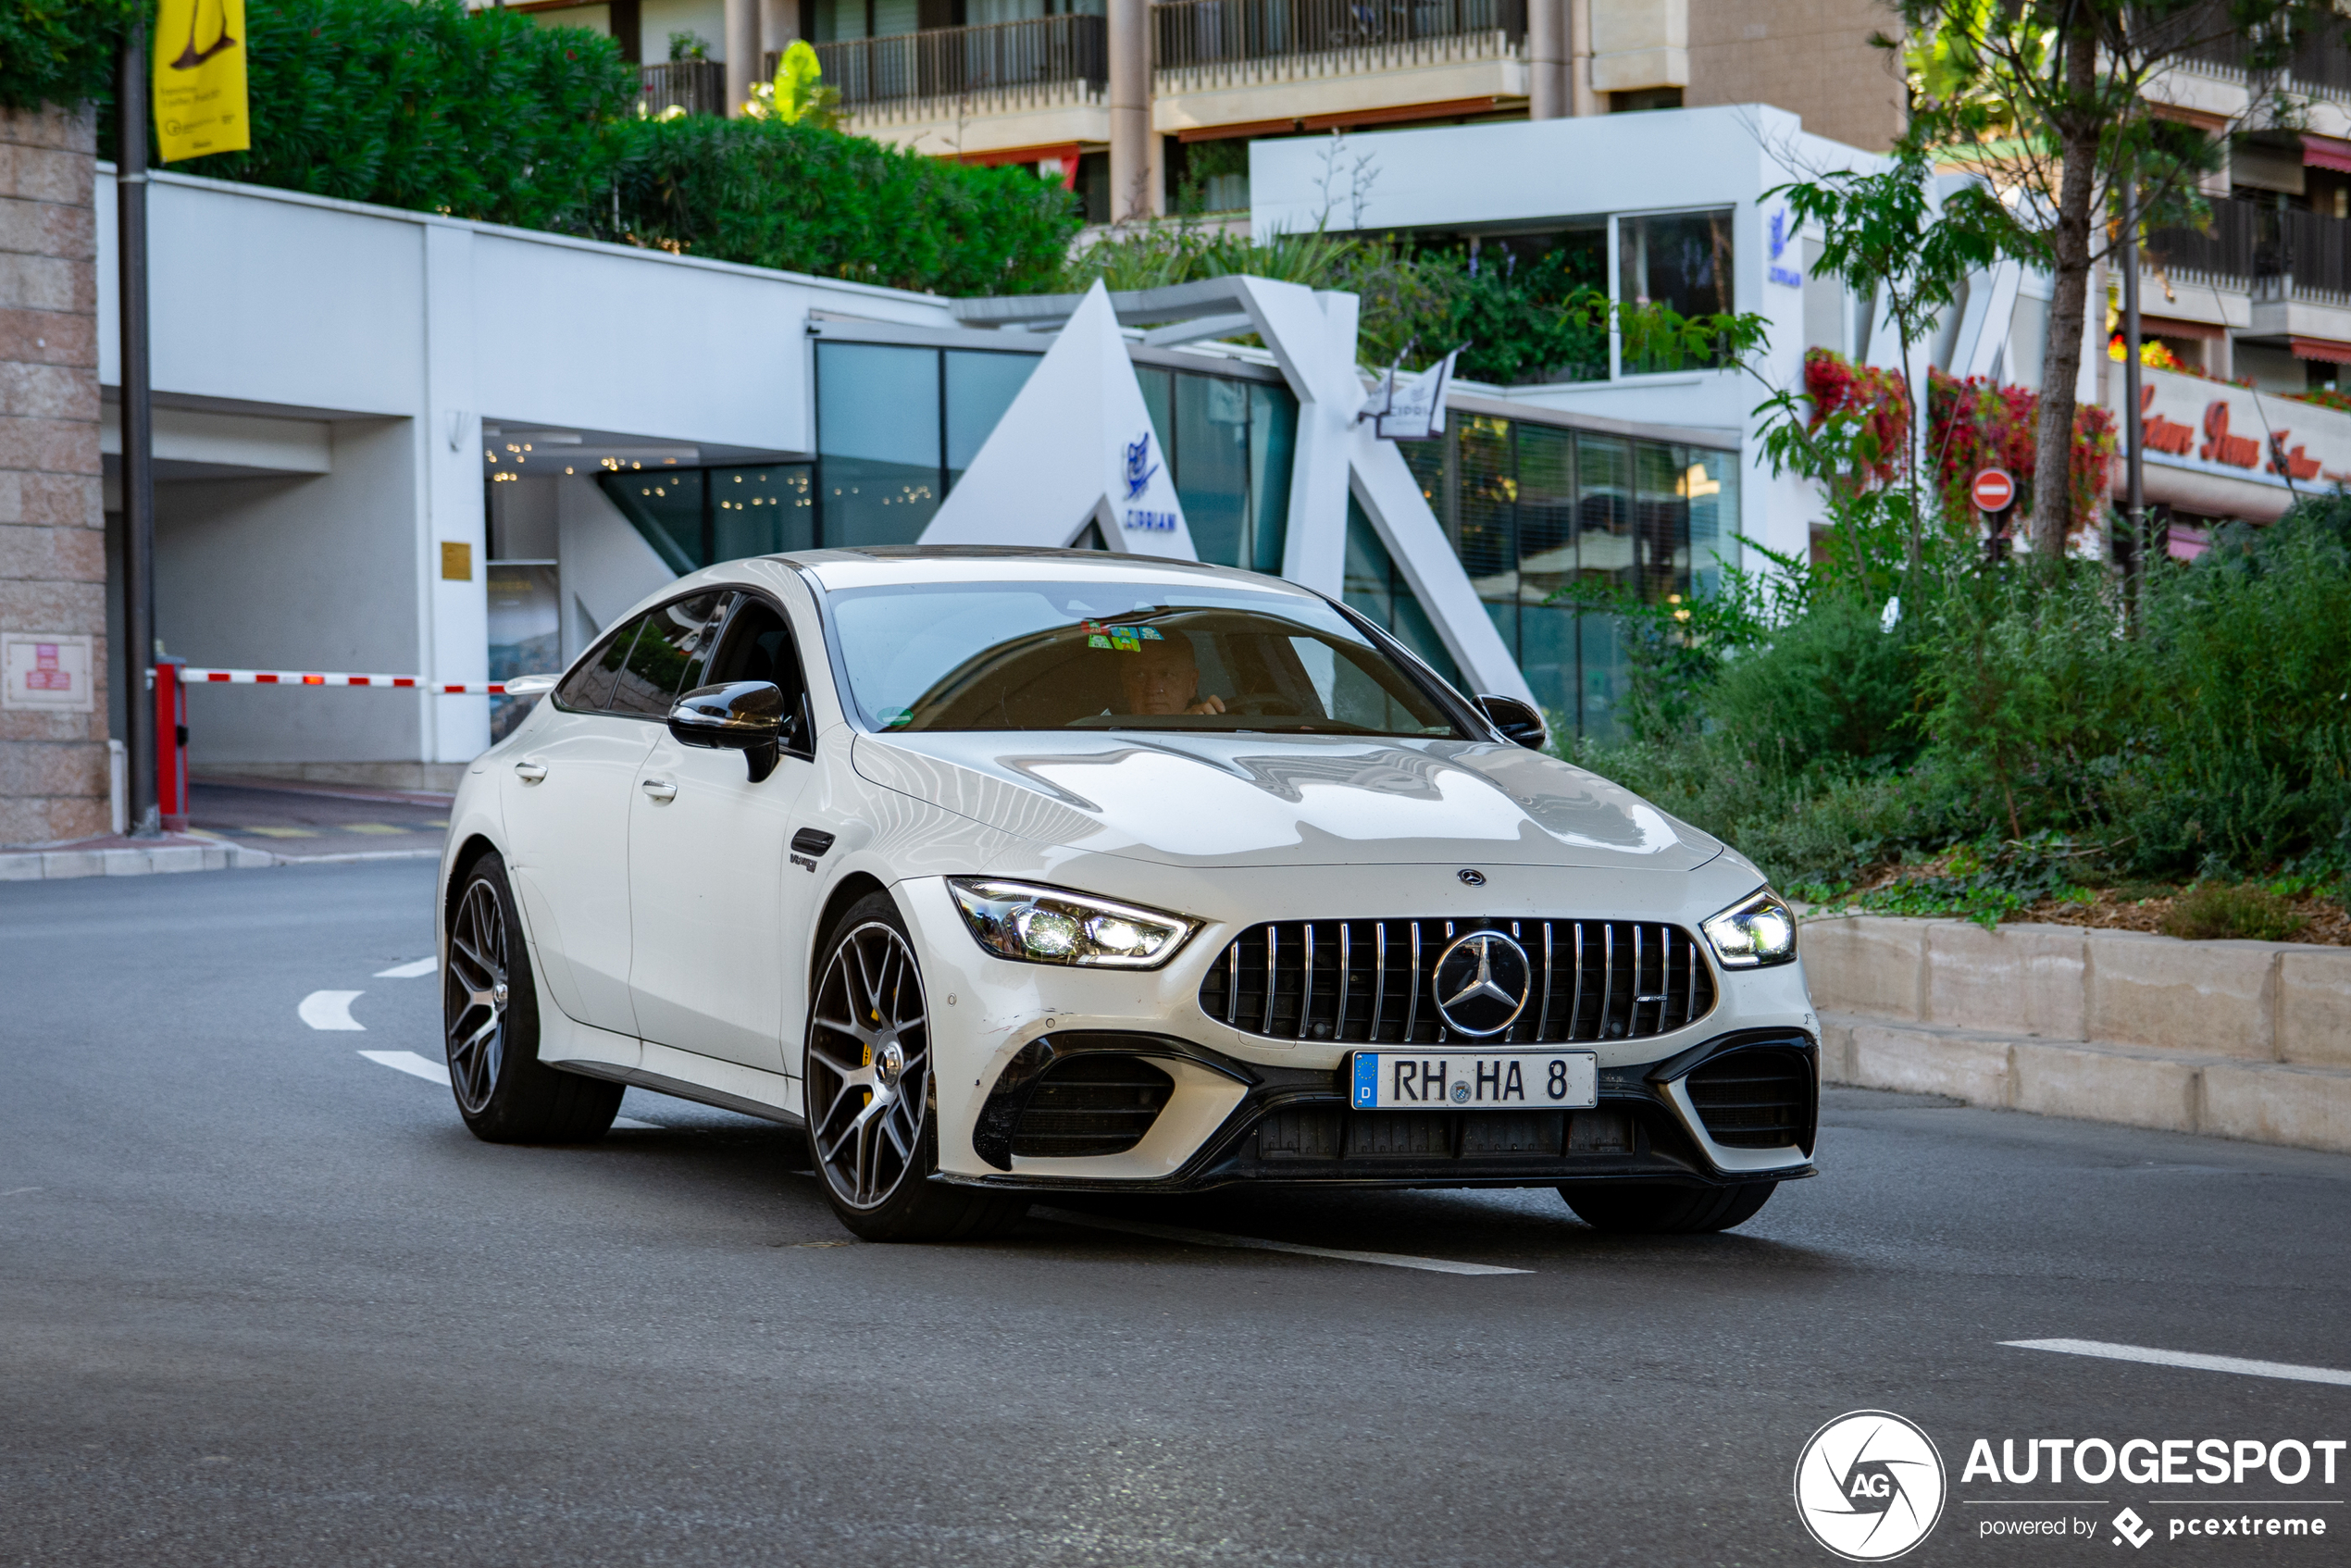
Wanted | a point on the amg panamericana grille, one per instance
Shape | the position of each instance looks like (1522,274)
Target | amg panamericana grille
(1366,982)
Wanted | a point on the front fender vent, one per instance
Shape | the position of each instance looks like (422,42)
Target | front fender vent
(1367,982)
(1090,1105)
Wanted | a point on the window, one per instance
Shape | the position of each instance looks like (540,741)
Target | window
(758,645)
(694,518)
(1118,656)
(1534,508)
(1680,259)
(896,427)
(664,656)
(589,687)
(1373,589)
(1228,444)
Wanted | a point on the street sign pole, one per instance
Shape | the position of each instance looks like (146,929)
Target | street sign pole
(137,656)
(2134,500)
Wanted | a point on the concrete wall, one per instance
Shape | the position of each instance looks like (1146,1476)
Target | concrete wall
(2237,1038)
(53,563)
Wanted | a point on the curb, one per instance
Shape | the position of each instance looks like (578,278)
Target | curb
(2289,1103)
(52,865)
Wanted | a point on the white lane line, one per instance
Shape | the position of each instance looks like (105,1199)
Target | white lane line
(330,1010)
(434,1072)
(2237,1364)
(408,971)
(1258,1244)
(410,1063)
(19,1191)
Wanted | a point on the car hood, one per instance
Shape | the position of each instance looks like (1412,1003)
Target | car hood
(1256,800)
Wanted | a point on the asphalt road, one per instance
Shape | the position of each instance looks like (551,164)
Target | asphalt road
(264,1301)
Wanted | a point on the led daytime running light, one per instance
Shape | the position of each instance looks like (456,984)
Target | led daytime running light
(1034,925)
(1753,934)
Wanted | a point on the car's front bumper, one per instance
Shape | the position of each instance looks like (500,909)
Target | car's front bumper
(1247,1108)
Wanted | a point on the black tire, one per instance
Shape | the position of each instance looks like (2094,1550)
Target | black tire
(1659,1209)
(503,1091)
(873,1132)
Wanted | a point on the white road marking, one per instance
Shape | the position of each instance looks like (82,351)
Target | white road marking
(19,1191)
(409,971)
(1258,1244)
(434,1072)
(2237,1364)
(410,1063)
(330,1010)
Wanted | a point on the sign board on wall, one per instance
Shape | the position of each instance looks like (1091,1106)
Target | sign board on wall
(46,669)
(2220,432)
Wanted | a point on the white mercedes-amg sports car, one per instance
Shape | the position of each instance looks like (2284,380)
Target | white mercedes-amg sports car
(1006,872)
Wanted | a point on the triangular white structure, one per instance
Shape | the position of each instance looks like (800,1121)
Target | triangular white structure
(1077,447)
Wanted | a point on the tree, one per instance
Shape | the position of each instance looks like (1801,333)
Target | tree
(2047,101)
(1882,233)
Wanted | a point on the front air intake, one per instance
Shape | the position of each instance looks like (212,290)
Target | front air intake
(1756,1099)
(1090,1105)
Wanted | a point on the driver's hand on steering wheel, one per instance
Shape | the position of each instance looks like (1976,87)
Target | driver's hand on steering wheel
(1207,705)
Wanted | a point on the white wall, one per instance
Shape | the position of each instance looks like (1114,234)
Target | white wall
(1522,172)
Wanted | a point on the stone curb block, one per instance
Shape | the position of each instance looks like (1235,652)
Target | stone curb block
(2308,1107)
(35,865)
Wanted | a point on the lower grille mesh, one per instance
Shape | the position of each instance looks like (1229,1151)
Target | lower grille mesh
(1091,1104)
(1755,1099)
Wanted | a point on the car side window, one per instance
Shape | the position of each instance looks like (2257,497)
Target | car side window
(758,645)
(589,687)
(666,657)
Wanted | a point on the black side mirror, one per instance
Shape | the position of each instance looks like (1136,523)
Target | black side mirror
(741,715)
(1517,721)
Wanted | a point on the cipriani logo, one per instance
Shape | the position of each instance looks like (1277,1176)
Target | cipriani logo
(1869,1486)
(1139,467)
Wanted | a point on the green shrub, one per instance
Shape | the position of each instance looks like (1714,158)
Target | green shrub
(796,197)
(59,50)
(2215,910)
(484,115)
(1834,686)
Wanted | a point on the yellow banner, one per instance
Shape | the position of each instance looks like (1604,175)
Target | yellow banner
(200,79)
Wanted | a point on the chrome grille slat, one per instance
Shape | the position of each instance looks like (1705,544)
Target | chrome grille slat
(1647,978)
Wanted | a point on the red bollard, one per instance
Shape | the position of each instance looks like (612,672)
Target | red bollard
(171,746)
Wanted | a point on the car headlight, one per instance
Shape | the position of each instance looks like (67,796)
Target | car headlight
(1048,926)
(1750,934)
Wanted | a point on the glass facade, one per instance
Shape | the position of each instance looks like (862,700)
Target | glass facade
(1229,445)
(693,516)
(1376,590)
(1532,508)
(1680,259)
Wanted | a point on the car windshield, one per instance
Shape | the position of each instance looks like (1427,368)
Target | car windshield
(1113,656)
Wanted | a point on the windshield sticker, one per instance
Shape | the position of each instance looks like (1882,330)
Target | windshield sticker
(1124,638)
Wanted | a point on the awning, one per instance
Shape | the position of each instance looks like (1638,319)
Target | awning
(2326,152)
(2324,350)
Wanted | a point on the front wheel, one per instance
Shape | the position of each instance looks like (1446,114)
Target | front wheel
(867,1078)
(490,1023)
(1659,1209)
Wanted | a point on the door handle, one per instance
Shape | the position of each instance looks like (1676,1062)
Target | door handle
(530,772)
(661,790)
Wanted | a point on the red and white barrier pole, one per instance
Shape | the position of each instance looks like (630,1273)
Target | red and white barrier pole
(194,677)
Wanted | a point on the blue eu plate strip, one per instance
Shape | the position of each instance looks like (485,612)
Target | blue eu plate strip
(1367,1079)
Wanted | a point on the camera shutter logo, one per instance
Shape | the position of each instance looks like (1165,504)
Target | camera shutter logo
(1870,1486)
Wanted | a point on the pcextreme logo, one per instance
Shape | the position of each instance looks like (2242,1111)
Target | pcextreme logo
(1870,1486)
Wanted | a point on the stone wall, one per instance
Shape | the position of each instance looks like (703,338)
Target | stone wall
(53,558)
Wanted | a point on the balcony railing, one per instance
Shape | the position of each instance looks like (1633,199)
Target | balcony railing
(956,62)
(1202,32)
(2305,253)
(2225,255)
(699,87)
(2321,59)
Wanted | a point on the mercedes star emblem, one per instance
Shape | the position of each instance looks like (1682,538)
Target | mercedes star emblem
(1474,879)
(1481,983)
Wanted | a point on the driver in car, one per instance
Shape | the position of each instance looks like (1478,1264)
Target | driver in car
(1162,676)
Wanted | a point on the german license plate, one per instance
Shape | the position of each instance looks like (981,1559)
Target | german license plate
(1462,1080)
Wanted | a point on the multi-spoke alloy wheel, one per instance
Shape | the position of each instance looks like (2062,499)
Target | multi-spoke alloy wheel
(867,1080)
(490,1023)
(868,1066)
(477,996)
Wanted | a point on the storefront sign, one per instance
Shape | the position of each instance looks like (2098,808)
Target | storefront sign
(2235,432)
(46,669)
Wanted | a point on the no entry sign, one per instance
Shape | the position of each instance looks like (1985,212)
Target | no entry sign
(1994,490)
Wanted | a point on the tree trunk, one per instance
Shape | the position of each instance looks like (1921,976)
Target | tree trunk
(2070,245)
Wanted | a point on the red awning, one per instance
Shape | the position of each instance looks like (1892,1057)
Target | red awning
(2326,152)
(2323,350)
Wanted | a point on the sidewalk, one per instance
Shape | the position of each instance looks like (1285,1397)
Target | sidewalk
(246,823)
